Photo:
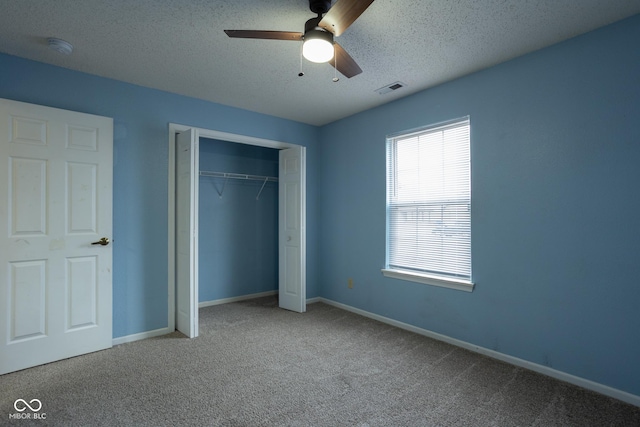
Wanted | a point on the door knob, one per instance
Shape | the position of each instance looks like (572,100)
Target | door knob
(104,242)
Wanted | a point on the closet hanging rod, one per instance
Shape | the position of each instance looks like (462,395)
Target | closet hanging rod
(238,176)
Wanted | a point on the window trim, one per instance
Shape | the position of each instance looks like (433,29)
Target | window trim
(466,285)
(443,282)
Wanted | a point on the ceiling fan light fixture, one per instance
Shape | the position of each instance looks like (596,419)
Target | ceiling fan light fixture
(318,46)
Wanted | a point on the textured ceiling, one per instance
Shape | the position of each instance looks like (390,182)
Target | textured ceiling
(179,45)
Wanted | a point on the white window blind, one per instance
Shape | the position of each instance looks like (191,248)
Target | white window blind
(429,201)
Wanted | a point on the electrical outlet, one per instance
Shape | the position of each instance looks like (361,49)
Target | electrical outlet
(350,283)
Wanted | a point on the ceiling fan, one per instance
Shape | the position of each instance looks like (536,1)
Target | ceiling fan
(318,44)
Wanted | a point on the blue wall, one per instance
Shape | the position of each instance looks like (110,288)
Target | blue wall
(238,235)
(141,137)
(555,141)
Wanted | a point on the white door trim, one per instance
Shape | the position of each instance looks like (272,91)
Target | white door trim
(175,128)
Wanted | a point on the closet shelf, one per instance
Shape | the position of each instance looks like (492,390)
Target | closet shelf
(228,175)
(238,176)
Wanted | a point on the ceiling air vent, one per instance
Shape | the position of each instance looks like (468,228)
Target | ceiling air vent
(390,87)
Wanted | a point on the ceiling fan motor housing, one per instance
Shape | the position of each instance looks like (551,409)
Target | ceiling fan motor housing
(312,30)
(312,24)
(320,7)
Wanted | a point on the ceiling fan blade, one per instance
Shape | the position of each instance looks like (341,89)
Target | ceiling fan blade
(267,35)
(342,14)
(344,63)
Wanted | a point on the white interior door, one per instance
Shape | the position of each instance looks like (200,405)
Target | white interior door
(292,230)
(187,167)
(55,201)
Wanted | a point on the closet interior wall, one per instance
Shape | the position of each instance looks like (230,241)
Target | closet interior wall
(238,231)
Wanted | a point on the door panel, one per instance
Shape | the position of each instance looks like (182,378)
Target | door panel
(55,200)
(81,289)
(292,235)
(82,206)
(27,196)
(27,310)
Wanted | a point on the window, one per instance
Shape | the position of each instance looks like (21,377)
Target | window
(429,205)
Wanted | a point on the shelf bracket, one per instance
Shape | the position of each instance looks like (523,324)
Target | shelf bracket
(224,184)
(262,188)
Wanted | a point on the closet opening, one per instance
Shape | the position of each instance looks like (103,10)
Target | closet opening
(237,222)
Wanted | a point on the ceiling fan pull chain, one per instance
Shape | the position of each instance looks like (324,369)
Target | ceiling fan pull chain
(335,68)
(301,73)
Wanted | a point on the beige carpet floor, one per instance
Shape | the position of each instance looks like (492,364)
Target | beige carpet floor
(257,365)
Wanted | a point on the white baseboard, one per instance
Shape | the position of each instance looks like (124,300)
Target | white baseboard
(314,299)
(141,336)
(236,299)
(545,370)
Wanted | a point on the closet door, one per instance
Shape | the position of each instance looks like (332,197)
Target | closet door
(187,165)
(292,226)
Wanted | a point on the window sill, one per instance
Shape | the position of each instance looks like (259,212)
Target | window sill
(461,285)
